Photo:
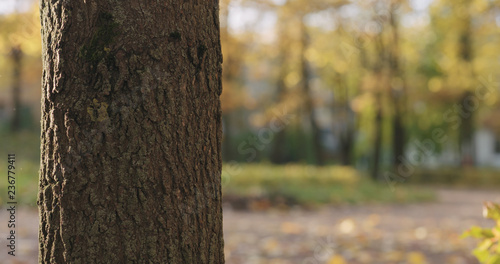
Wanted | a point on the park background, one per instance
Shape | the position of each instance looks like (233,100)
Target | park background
(362,131)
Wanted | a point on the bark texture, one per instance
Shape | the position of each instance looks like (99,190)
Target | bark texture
(131,132)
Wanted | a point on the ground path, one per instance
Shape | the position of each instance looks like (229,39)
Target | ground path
(419,233)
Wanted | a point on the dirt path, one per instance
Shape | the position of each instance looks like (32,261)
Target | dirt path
(421,233)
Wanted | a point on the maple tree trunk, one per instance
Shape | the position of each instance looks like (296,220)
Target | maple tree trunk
(131,132)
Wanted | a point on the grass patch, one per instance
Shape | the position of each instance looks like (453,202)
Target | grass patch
(26,146)
(311,186)
(459,177)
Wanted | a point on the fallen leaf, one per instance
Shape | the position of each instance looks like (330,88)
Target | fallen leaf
(291,228)
(416,258)
(337,259)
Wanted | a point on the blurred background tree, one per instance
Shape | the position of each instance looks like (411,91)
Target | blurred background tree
(361,83)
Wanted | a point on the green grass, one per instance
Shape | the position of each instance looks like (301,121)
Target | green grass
(26,146)
(458,177)
(309,185)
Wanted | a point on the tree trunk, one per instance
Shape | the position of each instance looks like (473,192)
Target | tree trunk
(398,141)
(346,133)
(16,55)
(309,104)
(131,132)
(466,130)
(279,150)
(397,95)
(378,69)
(227,147)
(377,149)
(346,143)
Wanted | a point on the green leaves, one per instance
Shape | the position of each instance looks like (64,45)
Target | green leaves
(488,250)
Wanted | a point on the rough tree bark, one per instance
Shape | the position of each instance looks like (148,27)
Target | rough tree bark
(131,132)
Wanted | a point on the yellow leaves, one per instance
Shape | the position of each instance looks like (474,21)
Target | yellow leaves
(291,228)
(491,210)
(271,246)
(435,84)
(341,67)
(479,6)
(362,102)
(348,50)
(22,29)
(337,259)
(372,221)
(394,255)
(416,258)
(292,79)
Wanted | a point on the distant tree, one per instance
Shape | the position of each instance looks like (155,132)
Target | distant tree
(20,40)
(309,107)
(16,56)
(131,132)
(397,85)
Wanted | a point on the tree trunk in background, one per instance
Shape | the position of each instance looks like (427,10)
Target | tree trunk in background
(346,145)
(227,147)
(397,95)
(346,137)
(131,132)
(378,70)
(279,150)
(398,140)
(308,101)
(16,55)
(228,77)
(466,130)
(377,148)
